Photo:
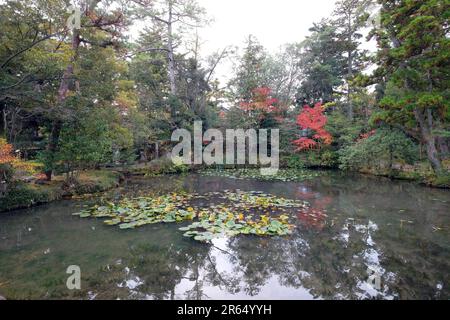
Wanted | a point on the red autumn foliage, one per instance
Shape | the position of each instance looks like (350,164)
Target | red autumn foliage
(260,101)
(6,152)
(364,136)
(314,120)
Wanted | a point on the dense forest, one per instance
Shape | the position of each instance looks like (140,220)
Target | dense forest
(77,99)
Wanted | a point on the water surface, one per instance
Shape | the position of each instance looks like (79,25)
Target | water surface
(362,238)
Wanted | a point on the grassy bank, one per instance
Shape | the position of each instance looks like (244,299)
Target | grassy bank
(155,168)
(24,195)
(418,174)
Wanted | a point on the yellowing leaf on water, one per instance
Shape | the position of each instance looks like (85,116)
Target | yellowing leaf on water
(217,219)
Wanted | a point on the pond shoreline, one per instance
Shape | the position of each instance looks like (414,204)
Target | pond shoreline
(26,195)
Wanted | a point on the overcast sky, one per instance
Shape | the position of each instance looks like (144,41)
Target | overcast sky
(273,22)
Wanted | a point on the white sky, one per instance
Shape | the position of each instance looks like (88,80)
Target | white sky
(273,22)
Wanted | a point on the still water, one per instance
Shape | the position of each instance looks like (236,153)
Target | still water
(361,238)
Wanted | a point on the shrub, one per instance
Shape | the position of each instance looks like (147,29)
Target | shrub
(23,195)
(379,150)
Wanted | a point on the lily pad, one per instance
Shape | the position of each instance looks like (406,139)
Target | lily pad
(237,213)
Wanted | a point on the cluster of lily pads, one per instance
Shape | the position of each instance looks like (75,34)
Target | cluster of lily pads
(228,213)
(288,175)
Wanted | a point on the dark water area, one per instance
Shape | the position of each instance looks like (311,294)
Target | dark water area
(361,238)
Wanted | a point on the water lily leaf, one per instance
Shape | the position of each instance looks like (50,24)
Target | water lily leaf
(230,224)
(216,218)
(200,238)
(113,222)
(85,214)
(131,225)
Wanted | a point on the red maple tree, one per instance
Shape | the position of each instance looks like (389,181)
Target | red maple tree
(313,121)
(261,100)
(6,152)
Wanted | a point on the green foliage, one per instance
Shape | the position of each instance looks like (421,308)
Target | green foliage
(93,139)
(23,195)
(294,161)
(85,144)
(323,65)
(381,150)
(94,181)
(252,72)
(6,173)
(160,167)
(414,57)
(343,130)
(325,158)
(441,181)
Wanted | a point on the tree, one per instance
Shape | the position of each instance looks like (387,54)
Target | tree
(284,72)
(93,139)
(261,101)
(312,122)
(413,54)
(322,65)
(167,15)
(251,72)
(9,164)
(350,17)
(261,109)
(32,53)
(380,148)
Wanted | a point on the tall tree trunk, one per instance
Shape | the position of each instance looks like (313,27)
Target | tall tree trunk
(64,88)
(171,56)
(350,70)
(349,88)
(429,139)
(52,145)
(5,122)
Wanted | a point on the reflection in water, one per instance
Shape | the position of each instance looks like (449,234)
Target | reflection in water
(355,228)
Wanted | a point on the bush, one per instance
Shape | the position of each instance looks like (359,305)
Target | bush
(441,181)
(294,162)
(6,173)
(381,150)
(325,158)
(23,195)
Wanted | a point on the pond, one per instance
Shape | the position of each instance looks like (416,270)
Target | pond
(360,238)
